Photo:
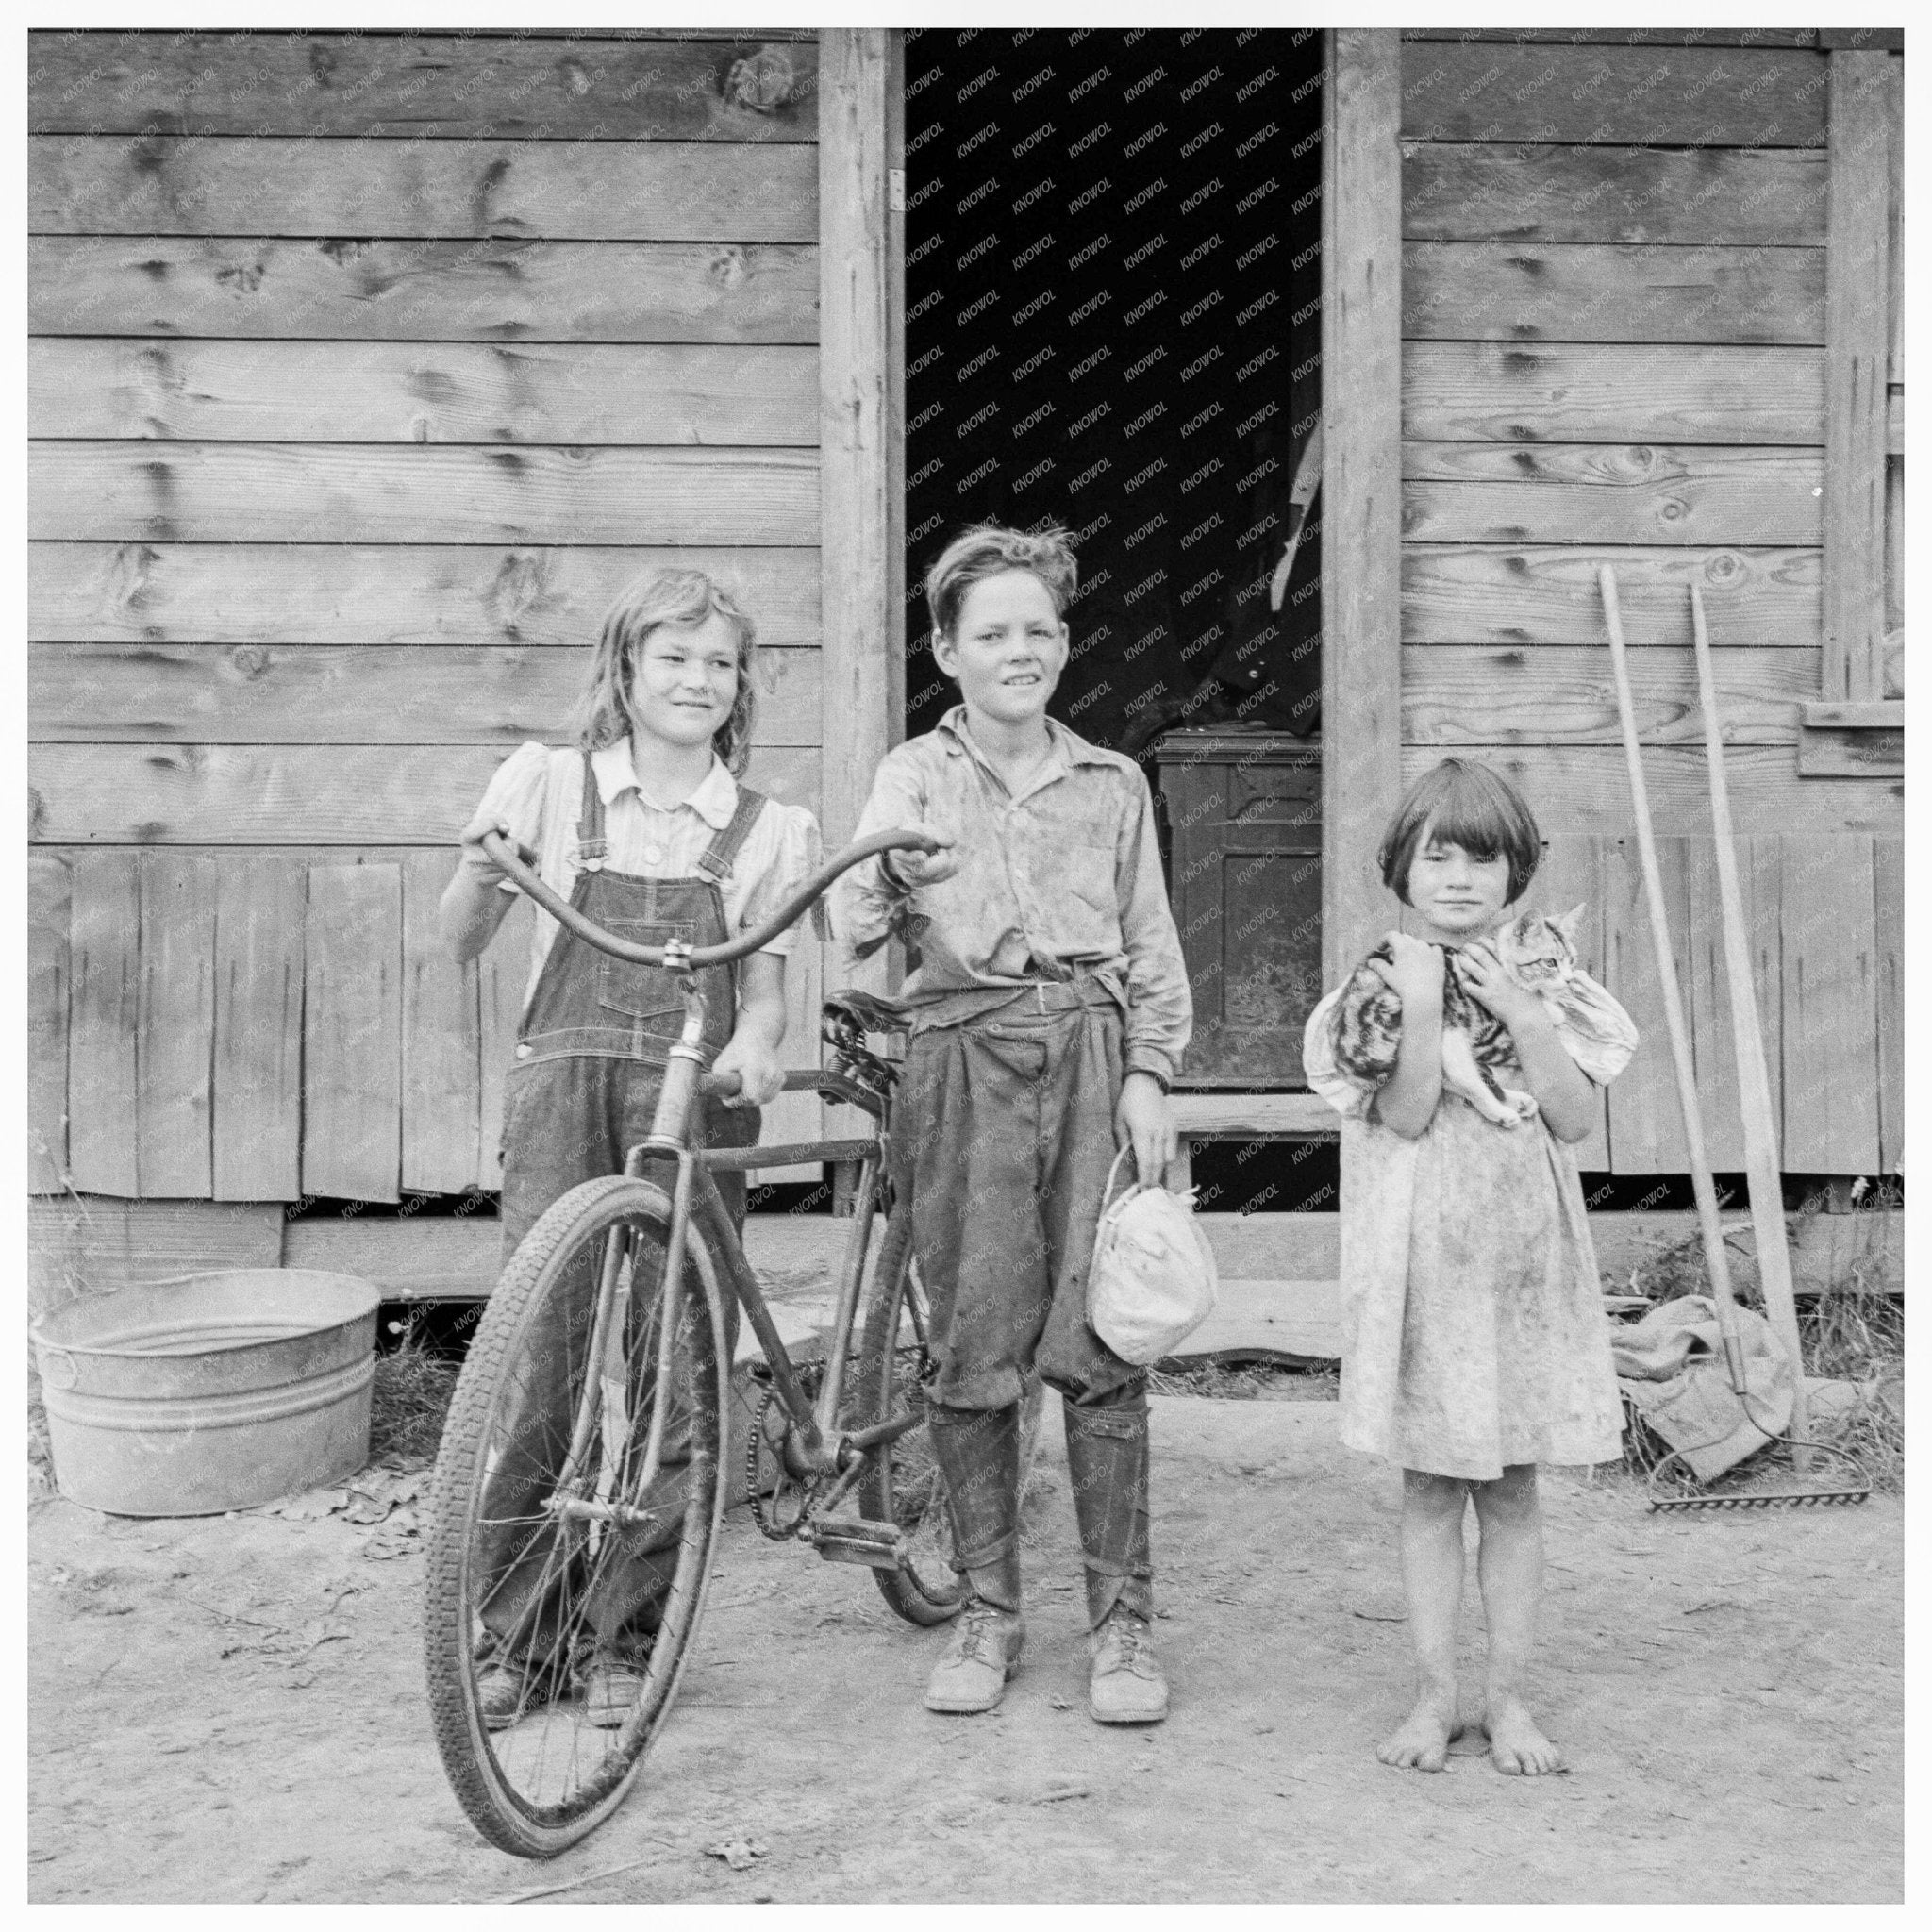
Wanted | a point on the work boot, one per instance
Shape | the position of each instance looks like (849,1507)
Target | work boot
(507,1692)
(500,1696)
(1126,1685)
(983,1655)
(1107,1466)
(611,1685)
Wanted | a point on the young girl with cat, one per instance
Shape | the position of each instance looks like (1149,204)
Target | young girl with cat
(1465,1061)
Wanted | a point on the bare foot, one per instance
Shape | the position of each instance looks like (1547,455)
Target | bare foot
(1424,1741)
(1517,1747)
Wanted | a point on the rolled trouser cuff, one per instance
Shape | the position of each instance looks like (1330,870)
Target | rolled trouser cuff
(1106,1590)
(978,1454)
(1107,1462)
(997,1582)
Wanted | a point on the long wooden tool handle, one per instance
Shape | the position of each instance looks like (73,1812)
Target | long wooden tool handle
(1701,1183)
(1753,1079)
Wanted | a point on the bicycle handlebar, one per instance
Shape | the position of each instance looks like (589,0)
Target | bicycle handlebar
(504,854)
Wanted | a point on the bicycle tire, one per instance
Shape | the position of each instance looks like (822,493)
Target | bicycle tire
(547,1780)
(902,1483)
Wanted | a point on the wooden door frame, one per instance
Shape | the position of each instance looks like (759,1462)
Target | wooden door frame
(861,415)
(861,386)
(1361,484)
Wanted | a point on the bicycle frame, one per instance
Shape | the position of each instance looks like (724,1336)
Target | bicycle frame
(821,1446)
(816,1446)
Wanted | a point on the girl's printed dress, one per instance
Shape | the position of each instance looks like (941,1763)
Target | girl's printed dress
(1473,1330)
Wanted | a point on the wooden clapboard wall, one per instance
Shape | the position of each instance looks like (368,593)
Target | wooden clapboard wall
(1622,343)
(365,368)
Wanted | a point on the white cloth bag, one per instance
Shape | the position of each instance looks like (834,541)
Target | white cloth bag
(1153,1280)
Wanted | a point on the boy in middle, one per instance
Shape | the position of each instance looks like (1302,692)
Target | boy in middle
(1049,1009)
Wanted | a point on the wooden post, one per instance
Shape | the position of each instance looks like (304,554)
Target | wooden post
(1753,1080)
(862,559)
(49,978)
(1361,484)
(861,449)
(1857,344)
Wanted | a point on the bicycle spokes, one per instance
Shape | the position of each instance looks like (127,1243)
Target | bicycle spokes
(589,1468)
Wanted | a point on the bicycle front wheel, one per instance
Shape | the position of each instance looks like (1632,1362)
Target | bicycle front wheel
(564,1579)
(902,1483)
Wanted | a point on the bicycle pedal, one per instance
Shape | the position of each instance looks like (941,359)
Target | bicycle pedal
(878,1545)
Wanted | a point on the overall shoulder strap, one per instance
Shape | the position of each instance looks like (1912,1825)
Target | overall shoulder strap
(591,842)
(721,855)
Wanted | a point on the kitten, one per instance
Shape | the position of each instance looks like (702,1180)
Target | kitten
(1537,953)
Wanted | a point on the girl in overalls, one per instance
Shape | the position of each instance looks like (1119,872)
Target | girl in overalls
(643,827)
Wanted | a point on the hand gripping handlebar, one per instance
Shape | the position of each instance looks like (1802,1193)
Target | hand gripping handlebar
(504,854)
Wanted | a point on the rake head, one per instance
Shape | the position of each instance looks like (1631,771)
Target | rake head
(1673,1487)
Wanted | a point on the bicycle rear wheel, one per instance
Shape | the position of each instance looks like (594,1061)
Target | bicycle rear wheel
(547,1560)
(902,1483)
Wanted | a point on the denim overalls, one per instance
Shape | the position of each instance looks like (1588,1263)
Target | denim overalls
(590,1061)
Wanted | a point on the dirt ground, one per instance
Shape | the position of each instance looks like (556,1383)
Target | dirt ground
(232,1710)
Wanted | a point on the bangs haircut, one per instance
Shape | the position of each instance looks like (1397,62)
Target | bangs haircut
(1462,803)
(680,597)
(989,549)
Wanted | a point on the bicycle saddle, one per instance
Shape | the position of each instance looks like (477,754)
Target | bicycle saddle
(866,1012)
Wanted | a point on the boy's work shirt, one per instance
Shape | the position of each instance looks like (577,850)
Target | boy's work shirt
(1063,879)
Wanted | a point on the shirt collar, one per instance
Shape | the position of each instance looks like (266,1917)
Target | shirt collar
(715,800)
(1072,748)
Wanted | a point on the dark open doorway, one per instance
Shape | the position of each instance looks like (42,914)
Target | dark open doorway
(1113,320)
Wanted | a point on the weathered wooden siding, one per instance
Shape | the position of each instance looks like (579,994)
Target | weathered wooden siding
(364,369)
(1626,285)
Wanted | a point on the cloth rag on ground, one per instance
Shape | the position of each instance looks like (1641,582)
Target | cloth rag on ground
(1671,1367)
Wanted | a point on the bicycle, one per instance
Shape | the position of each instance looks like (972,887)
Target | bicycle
(614,1437)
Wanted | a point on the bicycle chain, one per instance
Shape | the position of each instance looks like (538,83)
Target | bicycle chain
(768,1524)
(769,1527)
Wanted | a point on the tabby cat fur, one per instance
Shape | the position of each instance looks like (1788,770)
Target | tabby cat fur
(1538,953)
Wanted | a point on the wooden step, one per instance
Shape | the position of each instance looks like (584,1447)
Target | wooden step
(1294,1323)
(92,1245)
(1235,1116)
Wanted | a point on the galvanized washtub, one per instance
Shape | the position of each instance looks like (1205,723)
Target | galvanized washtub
(211,1392)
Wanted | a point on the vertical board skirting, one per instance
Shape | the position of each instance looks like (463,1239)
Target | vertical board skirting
(352,1032)
(1888,933)
(503,974)
(440,1039)
(260,906)
(1830,1006)
(104,1021)
(1857,332)
(1707,1007)
(1761,865)
(1361,484)
(50,897)
(1646,1119)
(174,1091)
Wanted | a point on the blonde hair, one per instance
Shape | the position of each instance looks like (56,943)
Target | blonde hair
(989,549)
(680,597)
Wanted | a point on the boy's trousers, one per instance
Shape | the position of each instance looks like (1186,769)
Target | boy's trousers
(1005,1135)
